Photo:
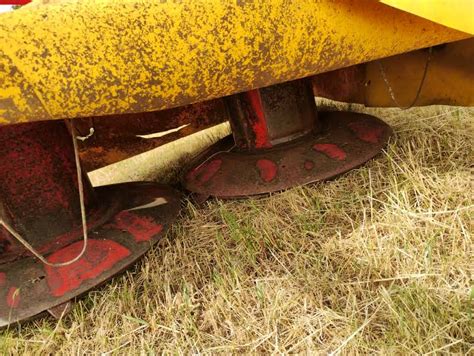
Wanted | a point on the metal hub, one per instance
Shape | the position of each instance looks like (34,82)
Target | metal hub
(39,198)
(280,141)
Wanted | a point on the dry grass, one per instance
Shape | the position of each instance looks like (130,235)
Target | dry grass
(378,261)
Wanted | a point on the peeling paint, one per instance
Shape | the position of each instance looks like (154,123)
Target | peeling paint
(87,58)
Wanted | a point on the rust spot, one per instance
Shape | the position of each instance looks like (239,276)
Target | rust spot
(121,136)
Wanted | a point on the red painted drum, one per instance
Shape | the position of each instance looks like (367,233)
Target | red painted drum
(279,140)
(39,199)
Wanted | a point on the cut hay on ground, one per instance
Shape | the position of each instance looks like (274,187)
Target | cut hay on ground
(379,260)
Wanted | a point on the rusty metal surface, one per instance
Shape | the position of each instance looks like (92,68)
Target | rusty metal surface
(88,58)
(280,141)
(347,140)
(449,79)
(118,137)
(39,198)
(346,84)
(38,186)
(265,117)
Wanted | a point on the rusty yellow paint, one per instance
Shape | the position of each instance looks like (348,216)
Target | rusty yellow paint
(18,99)
(100,57)
(457,14)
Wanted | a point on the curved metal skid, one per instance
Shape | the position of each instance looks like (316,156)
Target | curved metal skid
(346,141)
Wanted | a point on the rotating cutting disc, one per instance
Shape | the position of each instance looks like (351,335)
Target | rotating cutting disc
(346,140)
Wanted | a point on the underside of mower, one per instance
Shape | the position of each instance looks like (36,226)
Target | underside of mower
(79,92)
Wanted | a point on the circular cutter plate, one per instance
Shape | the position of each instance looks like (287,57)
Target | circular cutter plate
(346,141)
(140,213)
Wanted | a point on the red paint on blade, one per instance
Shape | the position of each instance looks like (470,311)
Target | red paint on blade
(259,126)
(100,256)
(268,169)
(202,174)
(71,236)
(368,133)
(331,150)
(142,228)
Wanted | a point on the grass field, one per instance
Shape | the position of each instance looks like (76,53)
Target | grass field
(380,260)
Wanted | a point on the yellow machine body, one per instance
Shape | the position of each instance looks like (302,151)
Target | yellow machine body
(417,78)
(458,14)
(87,58)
